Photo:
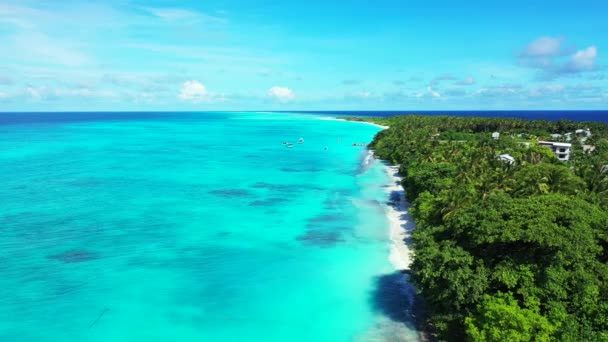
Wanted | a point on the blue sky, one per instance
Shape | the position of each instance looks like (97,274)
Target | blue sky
(302,55)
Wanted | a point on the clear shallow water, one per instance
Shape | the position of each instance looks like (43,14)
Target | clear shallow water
(193,227)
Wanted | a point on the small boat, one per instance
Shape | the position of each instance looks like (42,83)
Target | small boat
(289,145)
(285,143)
(301,141)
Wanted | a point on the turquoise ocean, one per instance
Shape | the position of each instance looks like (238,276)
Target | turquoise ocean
(195,227)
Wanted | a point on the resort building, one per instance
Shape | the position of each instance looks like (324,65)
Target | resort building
(507,158)
(588,148)
(586,132)
(562,150)
(495,135)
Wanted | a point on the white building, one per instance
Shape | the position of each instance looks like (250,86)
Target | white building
(588,148)
(586,132)
(495,135)
(562,150)
(507,158)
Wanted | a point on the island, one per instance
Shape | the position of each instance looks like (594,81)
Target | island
(511,238)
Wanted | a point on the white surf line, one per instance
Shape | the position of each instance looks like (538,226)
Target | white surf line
(401,222)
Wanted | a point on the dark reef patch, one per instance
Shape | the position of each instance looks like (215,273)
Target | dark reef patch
(230,193)
(326,219)
(266,202)
(333,204)
(269,186)
(320,238)
(74,256)
(295,170)
(284,187)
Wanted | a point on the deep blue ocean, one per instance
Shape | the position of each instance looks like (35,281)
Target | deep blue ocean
(41,117)
(194,227)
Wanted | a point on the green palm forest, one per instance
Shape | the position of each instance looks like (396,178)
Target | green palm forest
(505,251)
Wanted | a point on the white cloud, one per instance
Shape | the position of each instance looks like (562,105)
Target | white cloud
(429,93)
(20,16)
(583,60)
(455,92)
(499,91)
(281,94)
(48,93)
(467,81)
(183,15)
(193,91)
(444,77)
(544,47)
(432,92)
(549,56)
(33,93)
(546,90)
(44,49)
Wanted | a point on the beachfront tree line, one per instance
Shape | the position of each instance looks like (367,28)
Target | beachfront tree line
(505,252)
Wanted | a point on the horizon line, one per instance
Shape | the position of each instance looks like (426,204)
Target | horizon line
(312,111)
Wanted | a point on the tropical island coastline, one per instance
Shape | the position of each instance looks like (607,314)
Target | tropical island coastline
(511,238)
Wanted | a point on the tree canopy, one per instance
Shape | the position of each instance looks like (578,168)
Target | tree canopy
(505,251)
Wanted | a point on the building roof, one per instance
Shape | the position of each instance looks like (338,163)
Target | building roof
(506,157)
(553,143)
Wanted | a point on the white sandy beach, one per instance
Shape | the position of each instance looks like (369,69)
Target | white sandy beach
(363,122)
(401,223)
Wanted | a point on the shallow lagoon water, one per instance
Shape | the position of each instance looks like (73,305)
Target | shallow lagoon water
(194,227)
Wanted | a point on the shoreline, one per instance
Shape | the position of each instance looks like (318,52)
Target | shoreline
(363,122)
(401,223)
(401,226)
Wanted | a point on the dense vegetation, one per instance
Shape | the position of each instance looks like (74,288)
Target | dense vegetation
(505,252)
